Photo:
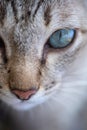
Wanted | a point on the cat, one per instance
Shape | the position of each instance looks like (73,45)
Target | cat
(43,65)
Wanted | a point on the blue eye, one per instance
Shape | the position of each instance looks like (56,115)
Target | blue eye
(61,38)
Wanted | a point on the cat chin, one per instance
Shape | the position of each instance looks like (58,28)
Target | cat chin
(23,105)
(26,105)
(12,101)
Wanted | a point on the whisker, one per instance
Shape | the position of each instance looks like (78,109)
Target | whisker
(67,101)
(5,94)
(64,105)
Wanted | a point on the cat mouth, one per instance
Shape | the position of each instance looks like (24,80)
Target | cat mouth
(13,101)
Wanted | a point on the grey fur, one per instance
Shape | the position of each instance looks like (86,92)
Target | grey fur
(25,62)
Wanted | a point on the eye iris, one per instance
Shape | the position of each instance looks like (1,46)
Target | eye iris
(62,38)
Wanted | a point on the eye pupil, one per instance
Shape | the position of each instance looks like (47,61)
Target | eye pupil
(61,38)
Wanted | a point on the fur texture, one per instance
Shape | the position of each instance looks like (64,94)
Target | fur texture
(25,62)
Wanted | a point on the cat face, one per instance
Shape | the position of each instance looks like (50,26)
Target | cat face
(29,59)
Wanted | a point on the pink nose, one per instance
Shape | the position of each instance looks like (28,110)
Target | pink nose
(24,95)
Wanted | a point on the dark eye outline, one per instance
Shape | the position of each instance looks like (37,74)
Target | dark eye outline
(74,36)
(2,45)
(3,50)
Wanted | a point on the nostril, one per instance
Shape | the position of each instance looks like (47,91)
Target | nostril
(24,94)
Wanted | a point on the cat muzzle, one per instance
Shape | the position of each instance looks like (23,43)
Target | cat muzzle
(24,95)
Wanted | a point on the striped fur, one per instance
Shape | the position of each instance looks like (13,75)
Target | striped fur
(26,61)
